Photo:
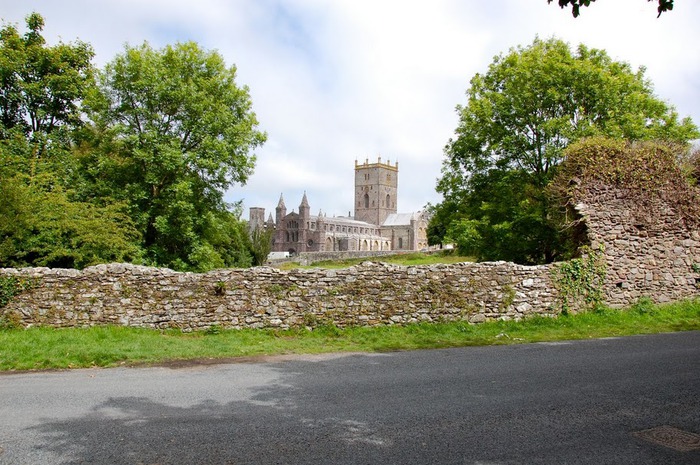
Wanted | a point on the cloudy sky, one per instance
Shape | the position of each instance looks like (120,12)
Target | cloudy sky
(334,81)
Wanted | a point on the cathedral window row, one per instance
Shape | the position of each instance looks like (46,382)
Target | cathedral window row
(349,229)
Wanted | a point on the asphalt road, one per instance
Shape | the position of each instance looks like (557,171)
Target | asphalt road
(559,403)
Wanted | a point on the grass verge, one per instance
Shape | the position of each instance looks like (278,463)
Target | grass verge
(105,346)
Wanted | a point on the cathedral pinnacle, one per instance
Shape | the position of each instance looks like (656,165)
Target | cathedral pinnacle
(304,201)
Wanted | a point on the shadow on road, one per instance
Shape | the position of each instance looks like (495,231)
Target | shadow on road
(536,404)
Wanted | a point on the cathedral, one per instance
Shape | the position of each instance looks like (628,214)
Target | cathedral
(376,225)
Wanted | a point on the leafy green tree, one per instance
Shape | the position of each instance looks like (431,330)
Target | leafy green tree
(225,242)
(41,86)
(520,115)
(47,228)
(41,221)
(260,245)
(172,131)
(664,5)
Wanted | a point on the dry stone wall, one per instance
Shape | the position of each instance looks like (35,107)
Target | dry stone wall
(309,258)
(651,250)
(368,294)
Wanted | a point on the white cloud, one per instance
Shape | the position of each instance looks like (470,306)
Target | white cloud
(336,81)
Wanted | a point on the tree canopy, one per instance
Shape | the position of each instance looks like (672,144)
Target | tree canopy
(41,86)
(175,130)
(520,115)
(128,163)
(41,222)
(664,5)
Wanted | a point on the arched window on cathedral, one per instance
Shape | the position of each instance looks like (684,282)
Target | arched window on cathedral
(366,200)
(388,201)
(400,242)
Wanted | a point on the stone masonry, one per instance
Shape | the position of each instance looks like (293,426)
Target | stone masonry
(369,294)
(647,255)
(649,249)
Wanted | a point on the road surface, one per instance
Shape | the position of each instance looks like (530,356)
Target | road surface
(633,400)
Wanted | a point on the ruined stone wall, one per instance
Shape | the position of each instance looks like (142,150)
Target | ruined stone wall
(369,294)
(650,249)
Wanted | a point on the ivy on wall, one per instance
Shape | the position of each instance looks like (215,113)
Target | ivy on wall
(10,286)
(580,281)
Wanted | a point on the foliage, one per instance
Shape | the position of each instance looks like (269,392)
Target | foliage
(504,218)
(213,330)
(10,286)
(41,86)
(649,166)
(644,306)
(10,320)
(664,5)
(520,115)
(143,181)
(41,222)
(646,169)
(260,245)
(465,235)
(223,243)
(171,131)
(693,166)
(440,216)
(40,228)
(580,281)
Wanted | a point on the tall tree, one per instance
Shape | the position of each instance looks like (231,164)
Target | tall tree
(174,130)
(41,221)
(519,116)
(260,244)
(41,86)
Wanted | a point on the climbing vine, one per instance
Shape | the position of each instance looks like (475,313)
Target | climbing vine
(647,171)
(580,281)
(10,286)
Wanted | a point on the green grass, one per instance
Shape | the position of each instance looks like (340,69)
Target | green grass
(49,348)
(412,258)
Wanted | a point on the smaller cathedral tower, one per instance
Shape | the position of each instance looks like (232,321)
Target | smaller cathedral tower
(256,219)
(376,188)
(280,211)
(304,209)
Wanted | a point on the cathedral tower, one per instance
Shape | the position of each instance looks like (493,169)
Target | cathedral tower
(376,186)
(280,211)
